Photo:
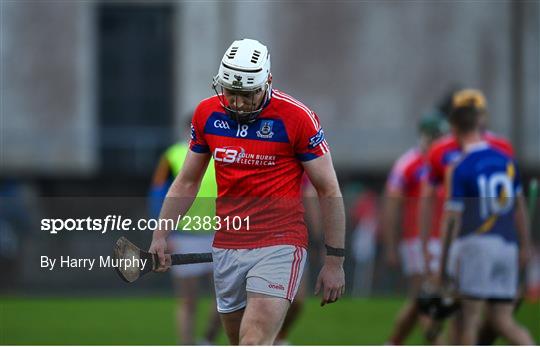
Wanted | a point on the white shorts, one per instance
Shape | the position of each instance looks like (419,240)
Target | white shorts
(412,257)
(189,243)
(485,267)
(274,270)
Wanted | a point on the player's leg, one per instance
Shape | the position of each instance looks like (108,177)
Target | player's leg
(263,318)
(413,268)
(230,286)
(432,326)
(473,268)
(488,333)
(453,270)
(214,322)
(231,323)
(293,312)
(274,272)
(186,280)
(272,284)
(405,322)
(501,317)
(488,269)
(186,308)
(504,289)
(471,318)
(455,326)
(431,329)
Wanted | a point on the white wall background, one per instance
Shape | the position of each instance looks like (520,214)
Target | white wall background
(369,69)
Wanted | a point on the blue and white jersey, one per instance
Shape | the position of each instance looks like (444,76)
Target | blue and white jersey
(484,184)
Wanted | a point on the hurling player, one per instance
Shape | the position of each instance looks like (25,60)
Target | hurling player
(402,194)
(261,140)
(486,212)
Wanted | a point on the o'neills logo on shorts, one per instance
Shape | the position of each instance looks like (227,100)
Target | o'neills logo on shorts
(276,286)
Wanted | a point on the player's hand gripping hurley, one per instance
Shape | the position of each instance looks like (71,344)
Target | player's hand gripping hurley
(124,249)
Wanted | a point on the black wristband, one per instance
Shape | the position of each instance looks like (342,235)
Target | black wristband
(336,252)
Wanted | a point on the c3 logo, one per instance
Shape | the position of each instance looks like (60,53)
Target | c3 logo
(228,155)
(221,124)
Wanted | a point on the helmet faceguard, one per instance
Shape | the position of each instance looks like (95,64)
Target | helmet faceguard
(251,101)
(244,80)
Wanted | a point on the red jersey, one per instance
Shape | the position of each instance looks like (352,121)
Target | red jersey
(406,178)
(446,151)
(258,169)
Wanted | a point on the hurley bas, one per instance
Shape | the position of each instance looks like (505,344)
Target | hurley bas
(89,263)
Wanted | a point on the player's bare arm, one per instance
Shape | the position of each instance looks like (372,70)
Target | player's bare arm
(523,229)
(312,217)
(322,175)
(450,226)
(179,198)
(392,207)
(425,217)
(451,222)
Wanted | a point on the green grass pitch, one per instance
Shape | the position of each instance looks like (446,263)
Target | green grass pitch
(150,321)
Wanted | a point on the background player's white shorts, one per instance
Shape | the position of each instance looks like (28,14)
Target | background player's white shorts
(412,257)
(191,243)
(274,270)
(485,267)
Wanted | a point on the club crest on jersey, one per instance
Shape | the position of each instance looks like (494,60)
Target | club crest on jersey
(316,139)
(265,131)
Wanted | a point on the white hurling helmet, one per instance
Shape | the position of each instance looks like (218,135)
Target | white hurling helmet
(244,69)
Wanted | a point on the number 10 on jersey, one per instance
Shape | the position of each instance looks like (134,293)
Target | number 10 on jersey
(496,194)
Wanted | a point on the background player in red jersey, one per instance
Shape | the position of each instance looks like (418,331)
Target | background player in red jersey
(261,141)
(402,194)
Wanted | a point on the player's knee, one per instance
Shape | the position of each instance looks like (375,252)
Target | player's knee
(502,322)
(250,342)
(254,337)
(254,340)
